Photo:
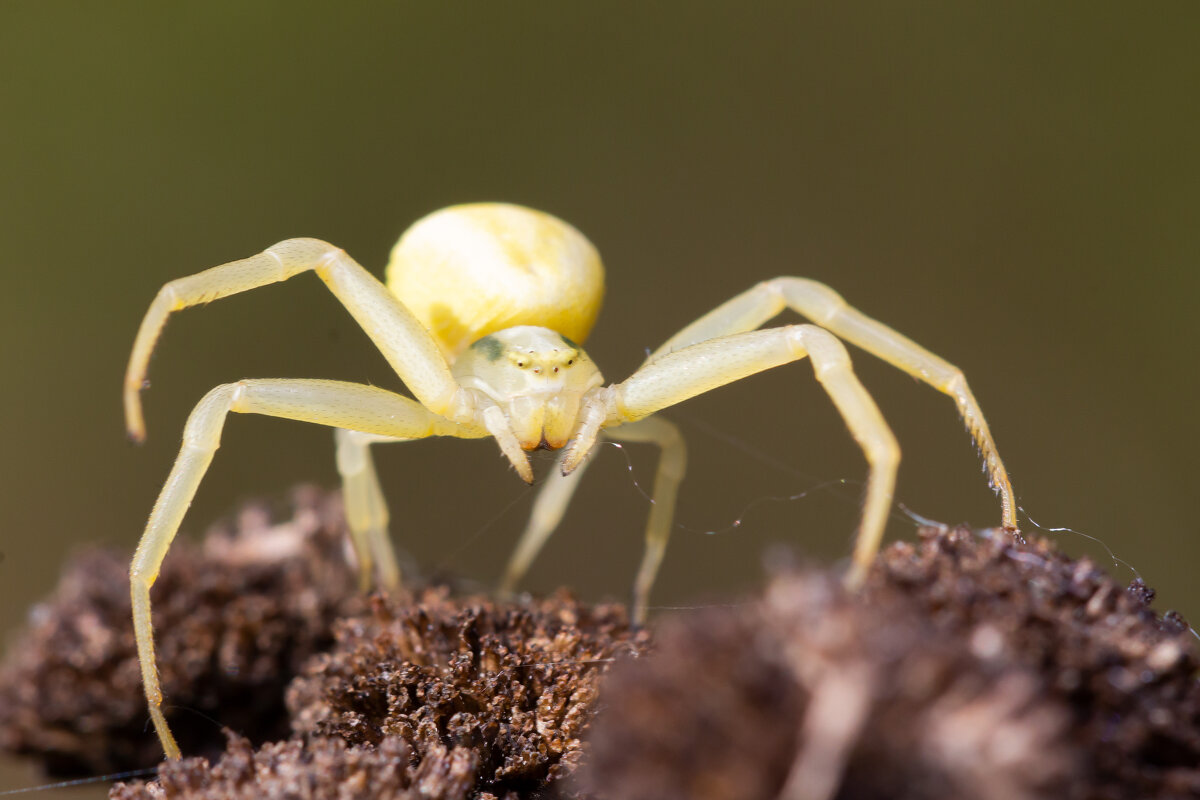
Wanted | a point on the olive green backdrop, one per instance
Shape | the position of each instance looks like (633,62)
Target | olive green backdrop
(1017,188)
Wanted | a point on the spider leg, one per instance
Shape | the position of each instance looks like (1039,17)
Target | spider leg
(672,464)
(366,509)
(825,307)
(404,342)
(548,510)
(674,377)
(333,403)
(552,502)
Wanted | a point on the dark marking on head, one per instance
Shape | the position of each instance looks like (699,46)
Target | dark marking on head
(489,346)
(569,343)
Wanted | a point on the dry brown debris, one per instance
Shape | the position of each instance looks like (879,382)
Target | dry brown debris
(321,768)
(506,687)
(235,619)
(429,696)
(433,698)
(970,667)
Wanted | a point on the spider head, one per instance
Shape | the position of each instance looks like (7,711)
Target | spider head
(537,376)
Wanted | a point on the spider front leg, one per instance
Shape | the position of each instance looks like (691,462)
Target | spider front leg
(333,403)
(825,307)
(674,377)
(404,342)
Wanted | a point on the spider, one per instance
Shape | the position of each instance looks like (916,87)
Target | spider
(481,317)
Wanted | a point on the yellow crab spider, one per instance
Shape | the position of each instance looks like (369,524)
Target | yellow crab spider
(481,318)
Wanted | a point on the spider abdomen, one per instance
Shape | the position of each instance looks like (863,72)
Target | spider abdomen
(471,270)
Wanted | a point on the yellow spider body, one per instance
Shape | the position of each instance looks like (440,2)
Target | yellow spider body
(471,270)
(481,318)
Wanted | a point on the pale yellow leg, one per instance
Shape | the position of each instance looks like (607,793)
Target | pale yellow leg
(333,403)
(822,305)
(366,508)
(674,377)
(404,342)
(672,464)
(548,510)
(552,502)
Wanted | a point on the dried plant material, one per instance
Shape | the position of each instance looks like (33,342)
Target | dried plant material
(236,618)
(507,687)
(429,697)
(970,666)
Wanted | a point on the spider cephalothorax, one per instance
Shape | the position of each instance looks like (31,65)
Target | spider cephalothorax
(537,376)
(480,317)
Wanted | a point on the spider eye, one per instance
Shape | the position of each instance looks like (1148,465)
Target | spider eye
(556,369)
(520,363)
(570,362)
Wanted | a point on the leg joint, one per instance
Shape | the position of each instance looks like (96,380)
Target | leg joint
(884,450)
(826,351)
(810,298)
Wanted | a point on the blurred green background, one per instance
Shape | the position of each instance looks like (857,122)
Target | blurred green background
(1017,188)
